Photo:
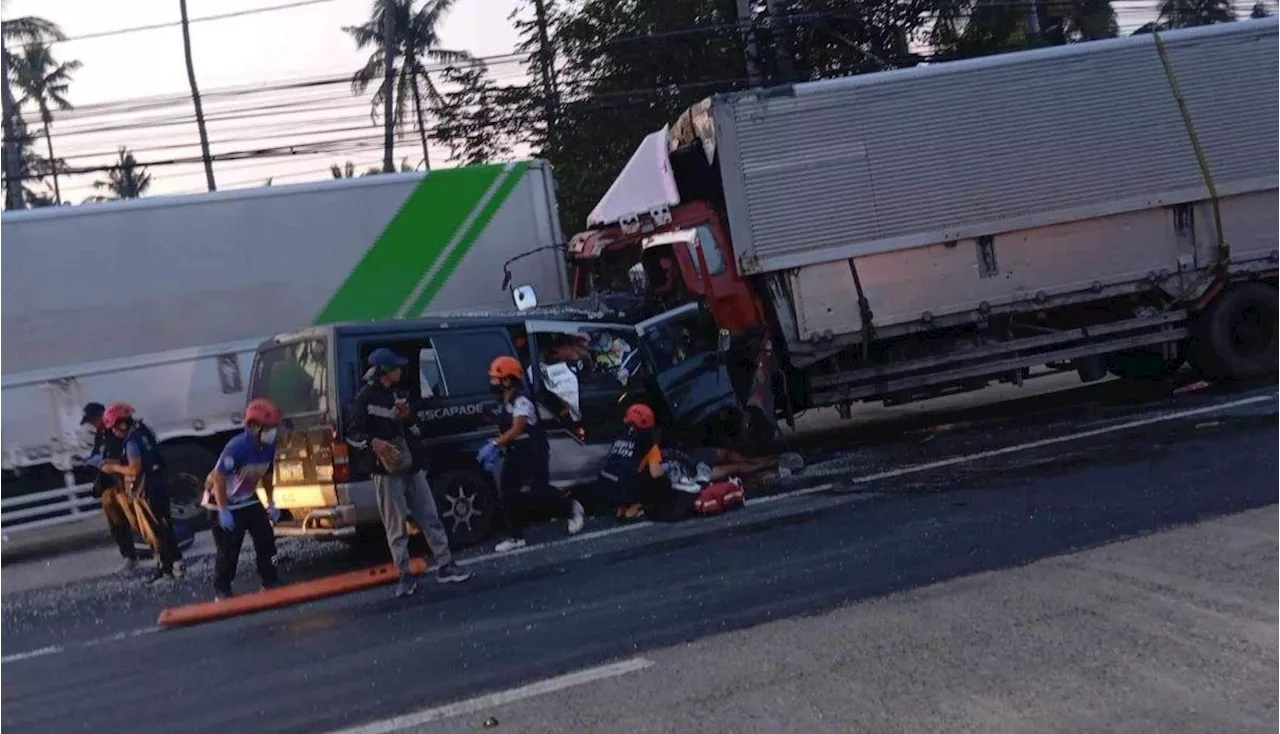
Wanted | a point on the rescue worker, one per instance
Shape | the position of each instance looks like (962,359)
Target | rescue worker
(526,472)
(634,473)
(108,488)
(380,417)
(142,472)
(231,496)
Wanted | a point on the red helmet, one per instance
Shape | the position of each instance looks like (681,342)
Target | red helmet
(115,413)
(641,416)
(505,367)
(262,412)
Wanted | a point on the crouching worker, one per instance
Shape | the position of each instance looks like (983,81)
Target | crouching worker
(525,477)
(634,476)
(142,474)
(380,416)
(231,496)
(107,487)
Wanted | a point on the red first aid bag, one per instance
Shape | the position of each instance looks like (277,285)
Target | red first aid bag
(720,496)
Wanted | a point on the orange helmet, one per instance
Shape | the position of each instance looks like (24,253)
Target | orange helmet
(263,412)
(504,367)
(641,416)
(115,413)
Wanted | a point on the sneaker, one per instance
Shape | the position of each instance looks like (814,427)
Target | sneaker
(509,545)
(127,565)
(578,519)
(160,578)
(406,587)
(451,574)
(179,570)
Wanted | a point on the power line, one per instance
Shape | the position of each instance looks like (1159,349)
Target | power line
(191,21)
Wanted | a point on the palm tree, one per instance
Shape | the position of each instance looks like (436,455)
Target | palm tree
(43,82)
(195,98)
(24,29)
(1191,13)
(415,39)
(125,180)
(348,169)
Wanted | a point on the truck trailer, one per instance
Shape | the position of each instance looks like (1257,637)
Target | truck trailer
(899,235)
(161,302)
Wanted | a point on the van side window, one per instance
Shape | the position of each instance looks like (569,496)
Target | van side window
(431,382)
(465,358)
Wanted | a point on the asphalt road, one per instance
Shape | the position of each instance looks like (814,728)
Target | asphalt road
(924,507)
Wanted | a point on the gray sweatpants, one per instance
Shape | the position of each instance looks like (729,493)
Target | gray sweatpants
(398,496)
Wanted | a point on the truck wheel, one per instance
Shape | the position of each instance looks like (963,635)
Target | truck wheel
(186,466)
(1235,337)
(468,505)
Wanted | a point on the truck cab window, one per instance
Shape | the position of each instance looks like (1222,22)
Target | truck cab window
(293,376)
(431,382)
(706,241)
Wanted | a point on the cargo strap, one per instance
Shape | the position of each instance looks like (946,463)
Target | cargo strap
(1224,250)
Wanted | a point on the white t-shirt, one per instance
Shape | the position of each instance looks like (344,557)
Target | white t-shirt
(523,407)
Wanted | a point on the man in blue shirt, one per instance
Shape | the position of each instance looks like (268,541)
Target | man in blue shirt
(142,472)
(231,495)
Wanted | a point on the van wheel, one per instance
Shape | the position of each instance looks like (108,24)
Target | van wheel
(1235,337)
(186,465)
(468,505)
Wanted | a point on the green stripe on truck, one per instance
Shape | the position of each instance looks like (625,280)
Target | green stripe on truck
(503,189)
(414,240)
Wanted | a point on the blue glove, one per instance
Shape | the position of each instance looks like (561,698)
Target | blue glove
(273,512)
(488,453)
(226,520)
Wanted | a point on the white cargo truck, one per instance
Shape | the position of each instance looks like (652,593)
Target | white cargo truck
(894,236)
(162,301)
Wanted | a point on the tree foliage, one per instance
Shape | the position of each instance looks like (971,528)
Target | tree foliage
(43,83)
(126,179)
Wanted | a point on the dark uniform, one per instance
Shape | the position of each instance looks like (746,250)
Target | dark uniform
(107,446)
(150,498)
(526,467)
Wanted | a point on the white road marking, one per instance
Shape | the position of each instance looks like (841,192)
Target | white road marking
(917,468)
(50,650)
(122,636)
(502,698)
(557,543)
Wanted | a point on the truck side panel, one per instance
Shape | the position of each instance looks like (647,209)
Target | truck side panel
(185,271)
(829,170)
(1031,269)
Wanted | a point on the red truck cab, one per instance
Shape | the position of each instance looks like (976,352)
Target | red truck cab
(685,258)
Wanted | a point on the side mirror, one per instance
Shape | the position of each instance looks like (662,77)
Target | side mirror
(524,297)
(722,341)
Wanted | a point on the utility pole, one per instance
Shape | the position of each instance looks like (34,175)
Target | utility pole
(749,41)
(388,84)
(778,14)
(13,174)
(195,98)
(546,60)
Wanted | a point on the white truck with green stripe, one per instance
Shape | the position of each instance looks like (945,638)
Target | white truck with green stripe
(161,301)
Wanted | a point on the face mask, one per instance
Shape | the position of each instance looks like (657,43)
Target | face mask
(495,388)
(268,436)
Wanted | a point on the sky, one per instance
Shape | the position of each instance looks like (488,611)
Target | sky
(132,89)
(289,44)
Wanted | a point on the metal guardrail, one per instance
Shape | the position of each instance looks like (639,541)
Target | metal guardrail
(44,509)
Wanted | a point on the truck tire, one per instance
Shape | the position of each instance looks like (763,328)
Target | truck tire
(186,466)
(468,504)
(1235,337)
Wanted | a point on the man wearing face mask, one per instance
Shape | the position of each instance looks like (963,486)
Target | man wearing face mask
(380,419)
(232,498)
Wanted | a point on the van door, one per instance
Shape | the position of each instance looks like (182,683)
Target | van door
(581,373)
(687,368)
(447,376)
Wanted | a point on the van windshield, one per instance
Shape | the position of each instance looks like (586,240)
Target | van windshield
(293,376)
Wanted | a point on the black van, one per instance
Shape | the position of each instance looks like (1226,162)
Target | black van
(584,373)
